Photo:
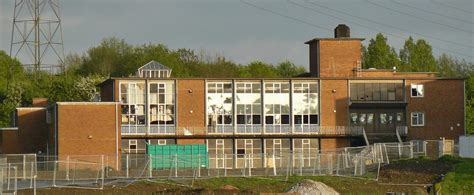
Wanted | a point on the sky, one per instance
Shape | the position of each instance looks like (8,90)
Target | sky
(266,30)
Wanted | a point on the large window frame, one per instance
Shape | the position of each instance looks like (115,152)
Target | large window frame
(162,107)
(248,107)
(133,107)
(277,105)
(219,103)
(305,105)
(376,91)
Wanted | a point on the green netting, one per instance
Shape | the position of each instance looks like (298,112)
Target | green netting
(179,156)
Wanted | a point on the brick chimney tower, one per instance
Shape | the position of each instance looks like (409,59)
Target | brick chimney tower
(335,57)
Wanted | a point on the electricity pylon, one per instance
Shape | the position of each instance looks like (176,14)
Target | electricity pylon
(37,38)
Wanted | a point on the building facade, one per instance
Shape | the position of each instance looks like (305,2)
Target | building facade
(338,104)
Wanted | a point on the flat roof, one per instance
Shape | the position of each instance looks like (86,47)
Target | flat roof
(334,39)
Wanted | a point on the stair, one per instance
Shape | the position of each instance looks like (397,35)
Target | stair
(382,137)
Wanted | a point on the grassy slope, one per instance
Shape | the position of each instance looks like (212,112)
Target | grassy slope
(461,179)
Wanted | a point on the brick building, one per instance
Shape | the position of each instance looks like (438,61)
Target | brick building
(338,104)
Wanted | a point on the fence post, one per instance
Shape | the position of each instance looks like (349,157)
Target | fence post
(424,146)
(250,164)
(399,151)
(176,165)
(199,165)
(150,166)
(127,172)
(15,187)
(386,153)
(32,177)
(8,176)
(301,163)
(103,175)
(24,166)
(274,165)
(54,173)
(411,149)
(225,165)
(67,167)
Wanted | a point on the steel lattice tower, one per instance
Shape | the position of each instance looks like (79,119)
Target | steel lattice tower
(37,38)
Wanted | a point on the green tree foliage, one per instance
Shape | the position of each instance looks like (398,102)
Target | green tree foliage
(417,56)
(258,69)
(379,54)
(470,104)
(288,69)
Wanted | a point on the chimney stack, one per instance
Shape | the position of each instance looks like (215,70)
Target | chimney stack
(342,31)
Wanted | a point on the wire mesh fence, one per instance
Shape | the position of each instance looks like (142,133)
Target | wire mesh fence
(30,171)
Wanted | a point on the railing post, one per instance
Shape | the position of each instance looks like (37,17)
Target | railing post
(176,165)
(24,166)
(67,167)
(126,165)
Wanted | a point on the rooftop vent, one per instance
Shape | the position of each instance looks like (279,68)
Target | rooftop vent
(154,70)
(342,31)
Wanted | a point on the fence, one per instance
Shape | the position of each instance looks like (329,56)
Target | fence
(29,171)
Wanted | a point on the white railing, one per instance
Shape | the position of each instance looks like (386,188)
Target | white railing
(243,130)
(402,130)
(134,130)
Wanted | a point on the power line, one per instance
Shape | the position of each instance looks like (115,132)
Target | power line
(390,26)
(421,18)
(431,12)
(286,16)
(320,27)
(452,7)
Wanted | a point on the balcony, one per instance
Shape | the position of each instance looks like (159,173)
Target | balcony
(245,130)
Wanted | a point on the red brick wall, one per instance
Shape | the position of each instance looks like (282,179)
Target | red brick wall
(443,105)
(334,101)
(10,142)
(88,129)
(190,141)
(191,106)
(32,133)
(338,58)
(333,143)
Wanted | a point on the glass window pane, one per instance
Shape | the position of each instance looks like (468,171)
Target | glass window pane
(383,118)
(354,118)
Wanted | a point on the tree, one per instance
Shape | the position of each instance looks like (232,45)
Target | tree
(288,69)
(417,56)
(258,69)
(379,54)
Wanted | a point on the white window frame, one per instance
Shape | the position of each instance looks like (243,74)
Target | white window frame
(418,115)
(417,87)
(161,142)
(133,142)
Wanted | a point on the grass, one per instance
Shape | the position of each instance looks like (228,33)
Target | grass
(461,179)
(344,185)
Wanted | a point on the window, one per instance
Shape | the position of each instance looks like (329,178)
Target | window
(376,91)
(132,144)
(219,103)
(161,103)
(248,103)
(417,119)
(277,107)
(417,90)
(132,98)
(305,105)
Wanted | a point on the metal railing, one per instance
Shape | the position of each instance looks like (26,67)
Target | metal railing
(250,130)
